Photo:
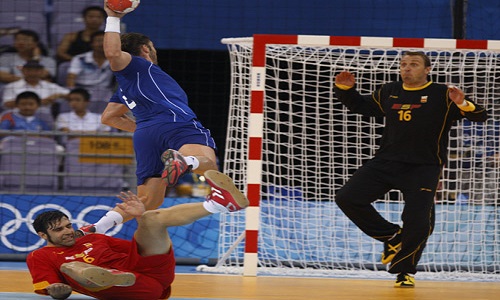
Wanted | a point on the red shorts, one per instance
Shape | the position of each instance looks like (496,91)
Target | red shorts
(154,275)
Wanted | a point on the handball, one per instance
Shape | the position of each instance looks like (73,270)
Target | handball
(123,6)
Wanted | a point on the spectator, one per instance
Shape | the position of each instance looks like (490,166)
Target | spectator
(27,47)
(24,118)
(91,69)
(80,119)
(33,73)
(75,43)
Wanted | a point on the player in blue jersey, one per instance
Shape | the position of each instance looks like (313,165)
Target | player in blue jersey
(169,141)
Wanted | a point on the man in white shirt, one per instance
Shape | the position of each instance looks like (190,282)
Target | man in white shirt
(26,43)
(91,70)
(80,119)
(33,72)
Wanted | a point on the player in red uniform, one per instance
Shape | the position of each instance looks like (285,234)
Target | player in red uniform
(108,268)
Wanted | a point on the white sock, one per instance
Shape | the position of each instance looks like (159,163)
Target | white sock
(214,207)
(110,219)
(192,161)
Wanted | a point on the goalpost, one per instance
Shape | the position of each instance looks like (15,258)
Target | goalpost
(291,145)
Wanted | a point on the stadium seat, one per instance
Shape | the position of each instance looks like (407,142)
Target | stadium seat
(22,5)
(99,98)
(71,6)
(34,20)
(36,156)
(90,178)
(66,17)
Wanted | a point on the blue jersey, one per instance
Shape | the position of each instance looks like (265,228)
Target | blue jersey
(14,121)
(151,94)
(162,115)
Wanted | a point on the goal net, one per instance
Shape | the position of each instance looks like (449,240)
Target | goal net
(291,145)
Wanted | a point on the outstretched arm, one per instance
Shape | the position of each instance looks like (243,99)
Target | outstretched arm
(117,58)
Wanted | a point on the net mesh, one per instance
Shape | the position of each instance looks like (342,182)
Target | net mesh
(312,145)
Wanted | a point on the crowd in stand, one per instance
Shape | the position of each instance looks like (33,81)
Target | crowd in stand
(66,90)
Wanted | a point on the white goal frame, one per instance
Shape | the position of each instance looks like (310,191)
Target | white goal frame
(248,175)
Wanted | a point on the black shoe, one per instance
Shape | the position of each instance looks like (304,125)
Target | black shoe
(391,248)
(405,280)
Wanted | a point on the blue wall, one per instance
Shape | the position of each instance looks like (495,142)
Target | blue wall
(198,241)
(200,24)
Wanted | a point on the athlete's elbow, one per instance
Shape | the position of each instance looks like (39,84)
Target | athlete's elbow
(106,119)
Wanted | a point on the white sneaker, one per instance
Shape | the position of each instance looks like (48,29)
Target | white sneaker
(224,194)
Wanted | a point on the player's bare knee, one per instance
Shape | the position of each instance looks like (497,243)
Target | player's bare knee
(152,203)
(153,218)
(149,218)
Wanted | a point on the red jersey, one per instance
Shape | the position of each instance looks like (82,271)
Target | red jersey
(154,274)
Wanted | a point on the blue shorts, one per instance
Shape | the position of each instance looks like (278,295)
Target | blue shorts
(150,142)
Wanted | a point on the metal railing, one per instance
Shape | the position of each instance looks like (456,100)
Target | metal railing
(28,166)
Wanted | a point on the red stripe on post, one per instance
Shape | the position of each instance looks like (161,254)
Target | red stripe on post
(261,40)
(472,44)
(253,194)
(255,148)
(251,241)
(257,103)
(345,40)
(408,42)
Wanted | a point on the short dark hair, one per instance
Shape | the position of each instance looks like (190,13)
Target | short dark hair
(29,33)
(132,42)
(81,91)
(93,7)
(427,61)
(47,219)
(28,95)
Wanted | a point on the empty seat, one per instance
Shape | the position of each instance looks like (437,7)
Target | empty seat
(22,5)
(29,164)
(72,6)
(34,20)
(89,177)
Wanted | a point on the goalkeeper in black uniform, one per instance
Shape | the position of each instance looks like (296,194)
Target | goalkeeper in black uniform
(418,116)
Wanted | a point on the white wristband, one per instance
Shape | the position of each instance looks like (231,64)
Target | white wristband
(112,24)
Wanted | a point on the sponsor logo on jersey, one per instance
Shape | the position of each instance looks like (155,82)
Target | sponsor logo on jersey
(399,106)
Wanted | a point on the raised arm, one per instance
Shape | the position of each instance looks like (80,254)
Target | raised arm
(117,58)
(346,93)
(470,110)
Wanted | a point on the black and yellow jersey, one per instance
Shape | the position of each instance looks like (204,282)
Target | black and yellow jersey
(417,120)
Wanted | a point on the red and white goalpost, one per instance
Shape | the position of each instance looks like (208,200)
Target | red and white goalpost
(291,145)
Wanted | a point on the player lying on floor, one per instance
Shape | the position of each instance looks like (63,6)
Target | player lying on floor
(105,267)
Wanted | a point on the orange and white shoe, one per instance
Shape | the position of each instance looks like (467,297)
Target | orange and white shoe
(224,194)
